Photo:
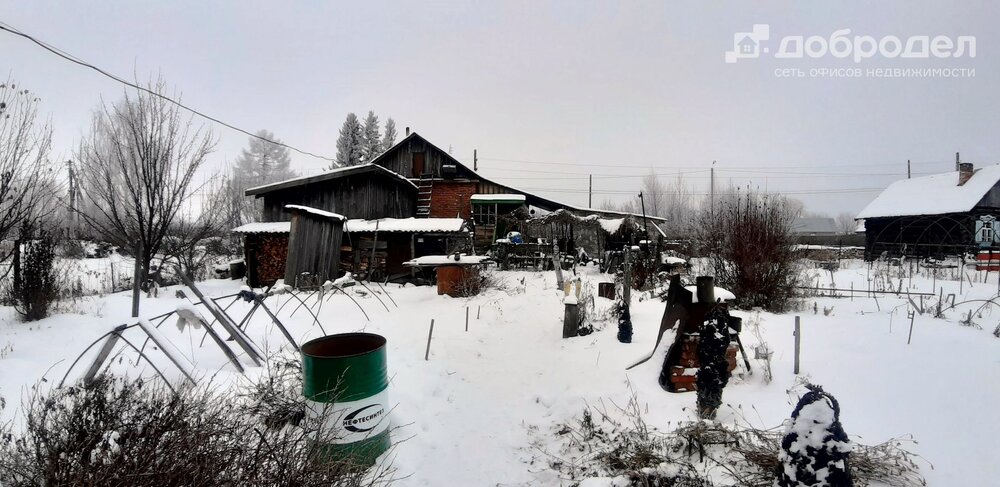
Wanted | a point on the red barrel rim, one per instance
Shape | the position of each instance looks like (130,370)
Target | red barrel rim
(343,345)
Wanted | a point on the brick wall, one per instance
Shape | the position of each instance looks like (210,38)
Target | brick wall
(452,198)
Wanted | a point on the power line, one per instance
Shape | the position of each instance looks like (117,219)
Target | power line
(699,193)
(69,57)
(695,166)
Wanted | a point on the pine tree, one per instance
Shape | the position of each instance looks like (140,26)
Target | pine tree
(349,150)
(713,373)
(815,450)
(389,139)
(371,143)
(263,162)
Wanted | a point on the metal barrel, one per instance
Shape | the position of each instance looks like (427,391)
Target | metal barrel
(345,386)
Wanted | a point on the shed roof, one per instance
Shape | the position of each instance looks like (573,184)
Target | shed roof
(936,194)
(264,227)
(408,225)
(389,225)
(316,212)
(341,172)
(820,224)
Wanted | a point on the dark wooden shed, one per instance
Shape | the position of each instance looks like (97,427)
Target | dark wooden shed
(366,191)
(313,246)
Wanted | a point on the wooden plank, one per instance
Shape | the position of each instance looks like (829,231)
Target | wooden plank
(109,345)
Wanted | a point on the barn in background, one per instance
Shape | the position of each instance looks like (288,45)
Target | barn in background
(934,216)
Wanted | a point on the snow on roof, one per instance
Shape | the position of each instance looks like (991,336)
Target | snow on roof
(611,225)
(411,225)
(436,260)
(820,224)
(932,195)
(264,227)
(325,176)
(317,212)
(499,197)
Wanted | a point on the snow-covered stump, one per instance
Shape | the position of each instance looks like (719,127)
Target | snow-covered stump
(815,450)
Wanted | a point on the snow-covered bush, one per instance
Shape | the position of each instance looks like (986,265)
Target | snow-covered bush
(713,373)
(36,283)
(815,448)
(138,433)
(747,238)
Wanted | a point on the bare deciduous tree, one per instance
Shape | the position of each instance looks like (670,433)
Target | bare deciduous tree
(27,177)
(138,162)
(749,244)
(846,224)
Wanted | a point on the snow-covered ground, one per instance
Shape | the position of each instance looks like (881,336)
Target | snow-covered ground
(478,412)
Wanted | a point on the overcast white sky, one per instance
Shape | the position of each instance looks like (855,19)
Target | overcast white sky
(615,88)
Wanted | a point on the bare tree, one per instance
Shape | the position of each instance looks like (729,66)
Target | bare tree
(27,177)
(138,162)
(749,244)
(188,242)
(846,224)
(654,194)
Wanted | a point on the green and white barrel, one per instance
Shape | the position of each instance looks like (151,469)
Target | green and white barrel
(346,388)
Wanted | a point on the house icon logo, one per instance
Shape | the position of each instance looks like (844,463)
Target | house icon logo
(748,44)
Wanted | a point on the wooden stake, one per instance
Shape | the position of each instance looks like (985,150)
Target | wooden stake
(466,318)
(479,310)
(910,336)
(427,354)
(798,338)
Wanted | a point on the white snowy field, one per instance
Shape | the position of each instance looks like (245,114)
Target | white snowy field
(482,409)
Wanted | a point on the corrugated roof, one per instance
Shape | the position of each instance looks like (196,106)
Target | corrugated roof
(264,227)
(936,194)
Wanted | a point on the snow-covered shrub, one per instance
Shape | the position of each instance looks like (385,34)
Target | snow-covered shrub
(36,283)
(815,448)
(747,238)
(624,320)
(713,372)
(137,433)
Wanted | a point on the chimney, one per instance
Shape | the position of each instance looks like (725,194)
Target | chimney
(407,131)
(965,171)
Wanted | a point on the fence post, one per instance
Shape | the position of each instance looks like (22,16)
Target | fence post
(466,318)
(427,354)
(798,338)
(910,336)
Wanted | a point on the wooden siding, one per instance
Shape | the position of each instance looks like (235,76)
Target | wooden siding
(365,196)
(313,248)
(921,236)
(400,159)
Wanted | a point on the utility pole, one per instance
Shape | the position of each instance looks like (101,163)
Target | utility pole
(907,169)
(475,159)
(590,193)
(711,191)
(645,227)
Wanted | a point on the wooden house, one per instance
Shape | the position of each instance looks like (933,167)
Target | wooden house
(934,215)
(450,189)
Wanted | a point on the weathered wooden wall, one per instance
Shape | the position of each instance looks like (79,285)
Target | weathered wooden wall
(401,160)
(314,248)
(920,236)
(364,196)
